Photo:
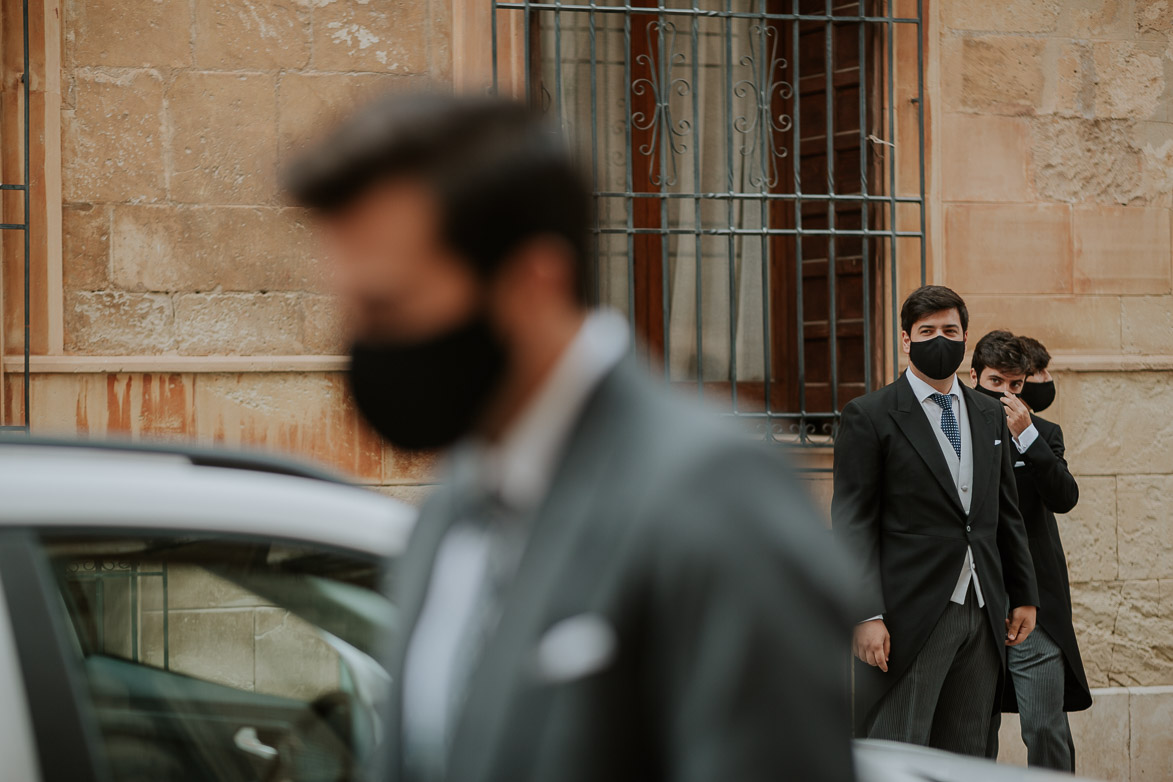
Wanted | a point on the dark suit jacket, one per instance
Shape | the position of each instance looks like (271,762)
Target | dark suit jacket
(1046,487)
(726,595)
(896,508)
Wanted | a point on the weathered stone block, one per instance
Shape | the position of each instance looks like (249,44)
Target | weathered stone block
(1118,423)
(1146,526)
(1062,323)
(112,139)
(1012,16)
(986,246)
(163,248)
(1067,90)
(1121,249)
(85,247)
(1142,640)
(223,143)
(238,323)
(1101,736)
(292,660)
(1095,606)
(324,330)
(1129,80)
(1089,531)
(193,587)
(311,103)
(1154,16)
(1151,713)
(994,74)
(985,158)
(1099,19)
(1147,324)
(118,323)
(1088,160)
(388,37)
(306,413)
(132,404)
(134,33)
(230,34)
(212,645)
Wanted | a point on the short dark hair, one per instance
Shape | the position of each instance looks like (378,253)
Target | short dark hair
(502,174)
(926,300)
(1035,353)
(1001,351)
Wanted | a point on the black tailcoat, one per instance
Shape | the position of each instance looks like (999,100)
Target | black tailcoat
(897,509)
(1046,487)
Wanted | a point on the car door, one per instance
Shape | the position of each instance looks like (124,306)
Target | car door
(188,656)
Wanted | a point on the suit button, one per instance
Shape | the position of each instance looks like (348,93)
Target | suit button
(965,487)
(967,528)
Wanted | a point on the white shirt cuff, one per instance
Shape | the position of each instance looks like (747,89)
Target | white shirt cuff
(874,618)
(1026,439)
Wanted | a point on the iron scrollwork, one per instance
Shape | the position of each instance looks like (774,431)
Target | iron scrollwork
(664,128)
(759,124)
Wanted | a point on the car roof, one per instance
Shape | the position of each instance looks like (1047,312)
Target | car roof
(169,488)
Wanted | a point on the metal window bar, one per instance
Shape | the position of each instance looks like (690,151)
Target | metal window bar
(101,574)
(712,127)
(23,227)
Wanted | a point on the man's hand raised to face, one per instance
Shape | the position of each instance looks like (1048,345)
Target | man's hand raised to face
(1017,414)
(872,643)
(1020,624)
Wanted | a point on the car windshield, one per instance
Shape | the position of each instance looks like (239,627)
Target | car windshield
(213,657)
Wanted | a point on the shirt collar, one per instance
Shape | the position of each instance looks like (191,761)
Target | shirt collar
(520,466)
(923,390)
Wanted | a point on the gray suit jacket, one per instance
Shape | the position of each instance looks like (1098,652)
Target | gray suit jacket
(723,592)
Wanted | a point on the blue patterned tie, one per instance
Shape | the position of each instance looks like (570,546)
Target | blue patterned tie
(949,421)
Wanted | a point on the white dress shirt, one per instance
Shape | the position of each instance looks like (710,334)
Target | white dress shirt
(518,470)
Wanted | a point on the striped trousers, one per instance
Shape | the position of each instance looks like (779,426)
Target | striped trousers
(946,697)
(1040,675)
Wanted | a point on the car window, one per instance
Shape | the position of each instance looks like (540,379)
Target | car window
(226,658)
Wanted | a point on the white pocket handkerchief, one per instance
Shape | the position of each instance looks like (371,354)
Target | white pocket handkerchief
(997,442)
(1020,464)
(575,647)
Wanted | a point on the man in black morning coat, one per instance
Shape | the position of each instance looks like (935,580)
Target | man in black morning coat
(1046,678)
(925,498)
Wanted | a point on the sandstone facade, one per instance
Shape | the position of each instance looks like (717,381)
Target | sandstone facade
(1050,202)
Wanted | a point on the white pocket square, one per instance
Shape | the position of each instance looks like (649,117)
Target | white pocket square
(575,647)
(1020,464)
(997,442)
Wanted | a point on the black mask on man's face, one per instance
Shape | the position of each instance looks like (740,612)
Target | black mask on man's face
(995,394)
(428,393)
(1038,396)
(938,357)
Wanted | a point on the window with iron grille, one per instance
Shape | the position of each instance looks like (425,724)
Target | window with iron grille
(749,206)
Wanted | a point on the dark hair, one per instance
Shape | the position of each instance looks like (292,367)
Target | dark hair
(926,300)
(1035,353)
(1001,351)
(502,175)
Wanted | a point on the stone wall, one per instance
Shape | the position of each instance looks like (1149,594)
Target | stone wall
(1052,192)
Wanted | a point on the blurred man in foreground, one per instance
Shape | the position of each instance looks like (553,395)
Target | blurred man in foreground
(611,587)
(1046,671)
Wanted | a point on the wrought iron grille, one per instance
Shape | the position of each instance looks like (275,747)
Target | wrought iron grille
(743,159)
(23,189)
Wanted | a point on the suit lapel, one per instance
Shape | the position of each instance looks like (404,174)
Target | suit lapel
(983,430)
(499,684)
(911,419)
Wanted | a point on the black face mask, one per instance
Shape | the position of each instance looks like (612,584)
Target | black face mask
(938,357)
(994,394)
(429,393)
(1038,396)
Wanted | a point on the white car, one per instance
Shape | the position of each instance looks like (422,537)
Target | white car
(172,614)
